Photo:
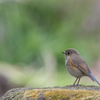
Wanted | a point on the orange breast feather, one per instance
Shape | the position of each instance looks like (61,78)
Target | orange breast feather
(71,65)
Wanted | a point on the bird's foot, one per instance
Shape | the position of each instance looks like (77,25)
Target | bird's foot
(76,85)
(72,85)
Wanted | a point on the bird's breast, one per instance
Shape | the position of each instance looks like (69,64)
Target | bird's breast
(73,70)
(68,62)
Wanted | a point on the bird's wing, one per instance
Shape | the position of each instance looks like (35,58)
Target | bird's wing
(80,63)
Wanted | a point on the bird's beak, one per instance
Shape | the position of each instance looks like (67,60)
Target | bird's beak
(63,52)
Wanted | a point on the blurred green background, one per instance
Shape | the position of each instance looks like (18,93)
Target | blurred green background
(34,33)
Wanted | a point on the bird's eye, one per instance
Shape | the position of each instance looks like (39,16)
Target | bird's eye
(68,53)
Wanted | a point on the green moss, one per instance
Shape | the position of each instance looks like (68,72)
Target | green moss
(68,94)
(60,94)
(54,93)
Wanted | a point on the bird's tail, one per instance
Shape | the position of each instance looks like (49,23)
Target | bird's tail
(91,76)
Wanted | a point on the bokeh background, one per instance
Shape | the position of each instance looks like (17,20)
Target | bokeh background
(34,33)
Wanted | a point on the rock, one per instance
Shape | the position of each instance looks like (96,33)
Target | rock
(54,93)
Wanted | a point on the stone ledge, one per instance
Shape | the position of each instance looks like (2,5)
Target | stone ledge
(54,93)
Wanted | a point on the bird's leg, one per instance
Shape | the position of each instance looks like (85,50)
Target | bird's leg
(75,81)
(78,82)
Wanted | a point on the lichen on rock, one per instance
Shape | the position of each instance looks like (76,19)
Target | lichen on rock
(54,93)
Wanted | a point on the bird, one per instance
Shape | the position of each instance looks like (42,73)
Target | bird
(77,66)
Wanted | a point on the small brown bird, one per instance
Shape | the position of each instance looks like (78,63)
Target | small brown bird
(76,65)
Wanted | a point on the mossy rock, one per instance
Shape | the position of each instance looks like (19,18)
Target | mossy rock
(54,93)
